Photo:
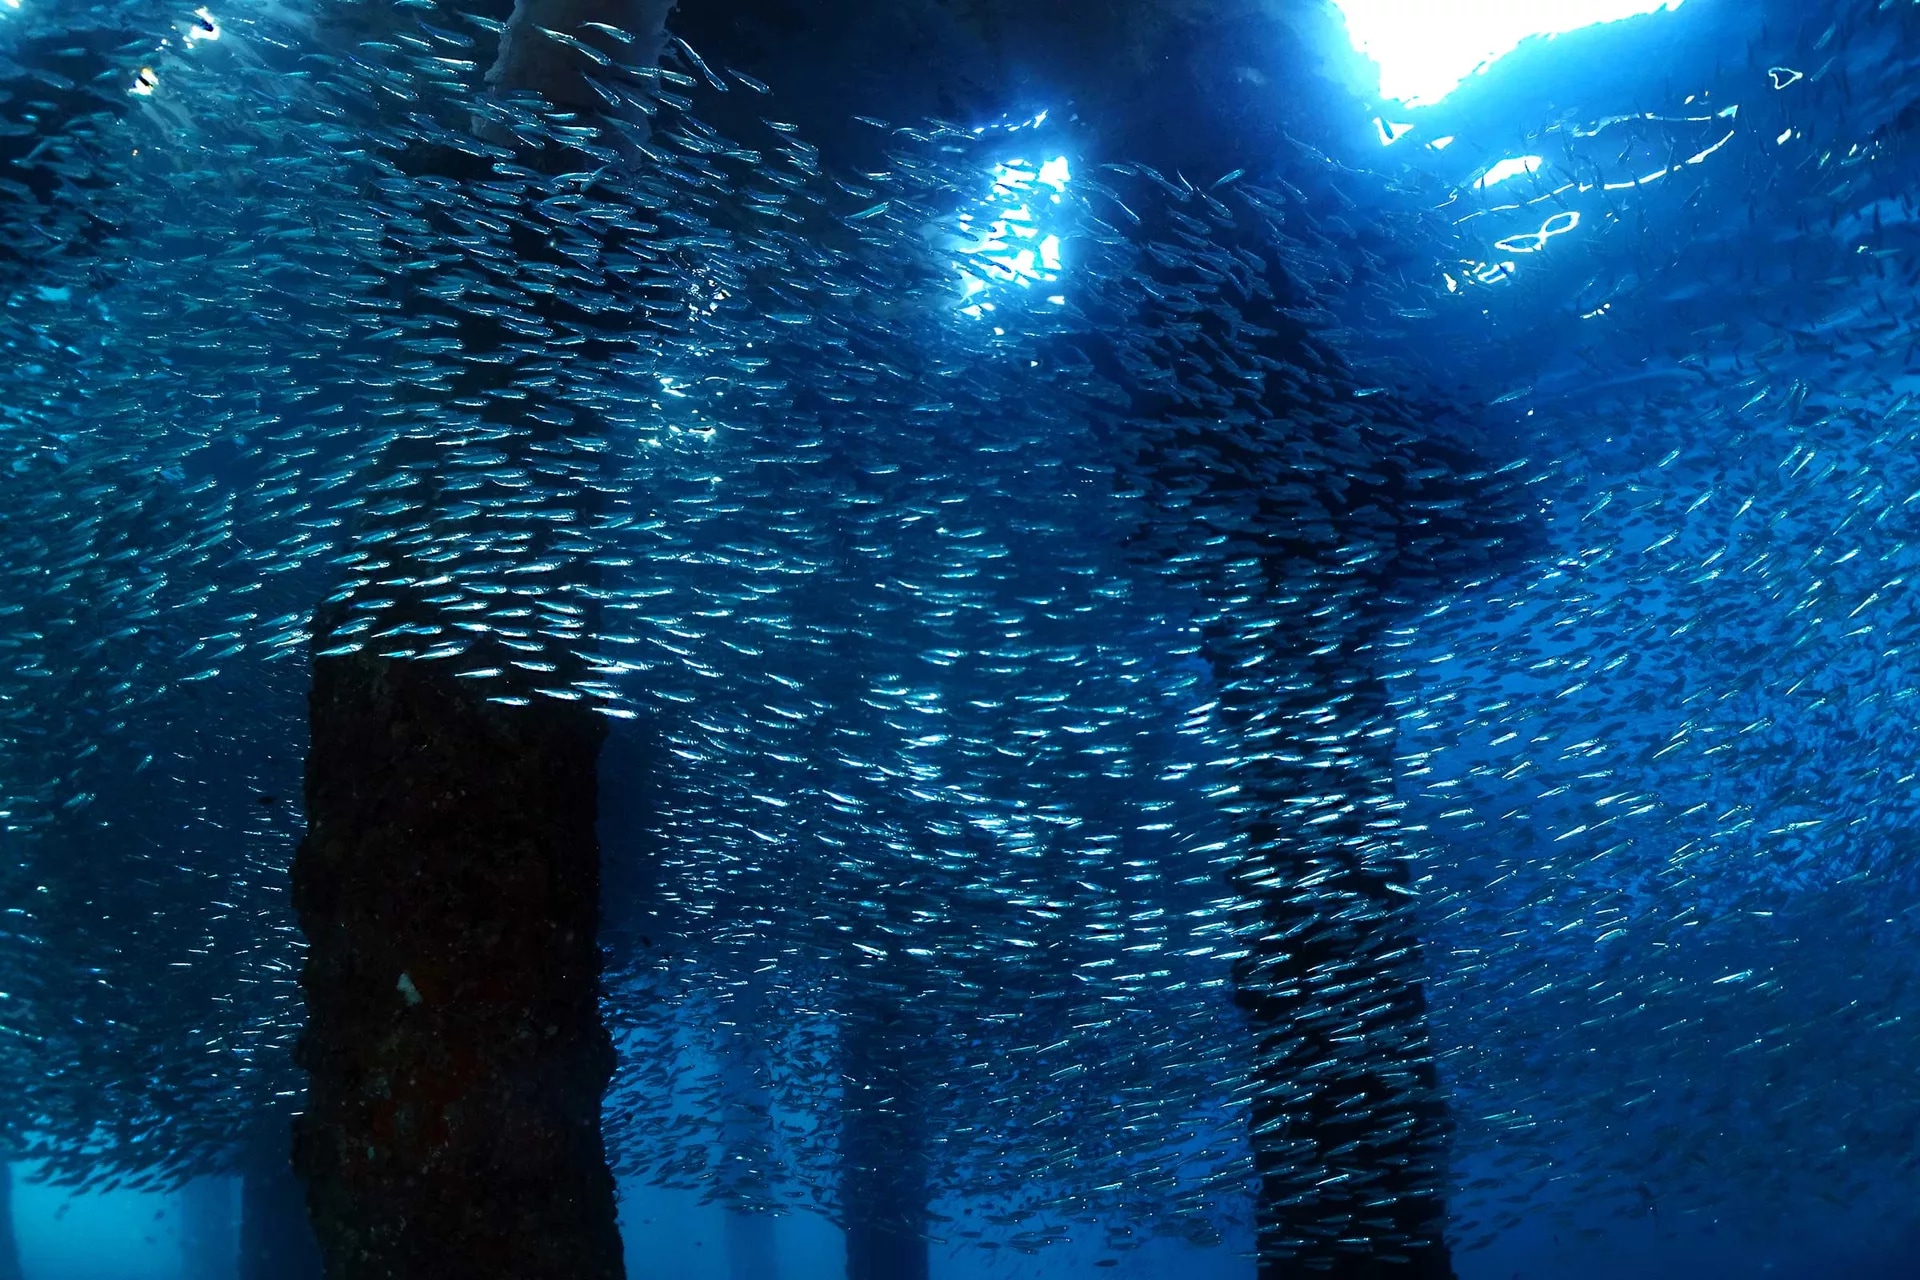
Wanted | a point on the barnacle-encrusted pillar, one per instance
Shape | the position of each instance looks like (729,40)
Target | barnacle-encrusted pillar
(449,890)
(883,1145)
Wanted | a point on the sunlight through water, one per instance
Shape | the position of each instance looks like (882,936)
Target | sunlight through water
(1426,48)
(1006,240)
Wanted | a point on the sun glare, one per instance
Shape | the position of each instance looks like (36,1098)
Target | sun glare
(1425,48)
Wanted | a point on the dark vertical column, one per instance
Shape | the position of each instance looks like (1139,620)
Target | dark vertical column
(210,1227)
(750,1247)
(883,1146)
(9,1243)
(449,891)
(449,885)
(1349,1124)
(275,1240)
(746,1175)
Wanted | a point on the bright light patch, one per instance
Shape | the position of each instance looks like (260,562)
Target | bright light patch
(1534,241)
(1512,168)
(203,28)
(1390,131)
(1425,48)
(1004,240)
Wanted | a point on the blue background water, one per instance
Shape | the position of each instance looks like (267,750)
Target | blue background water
(127,1236)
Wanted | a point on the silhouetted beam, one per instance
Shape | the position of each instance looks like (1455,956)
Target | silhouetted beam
(1202,86)
(883,1146)
(448,887)
(747,1139)
(9,1242)
(276,1241)
(209,1227)
(1349,1123)
(751,1250)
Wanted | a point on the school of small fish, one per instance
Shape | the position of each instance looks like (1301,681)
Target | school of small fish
(906,526)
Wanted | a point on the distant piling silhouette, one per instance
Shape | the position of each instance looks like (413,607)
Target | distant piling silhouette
(884,1187)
